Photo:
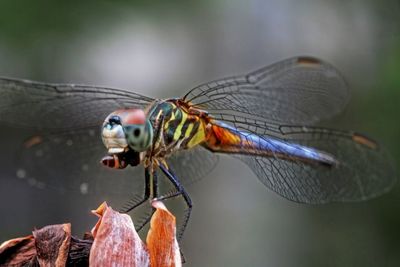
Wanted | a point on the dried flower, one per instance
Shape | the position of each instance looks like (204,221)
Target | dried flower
(113,242)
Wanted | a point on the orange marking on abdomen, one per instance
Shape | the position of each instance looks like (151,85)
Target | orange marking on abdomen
(220,139)
(224,136)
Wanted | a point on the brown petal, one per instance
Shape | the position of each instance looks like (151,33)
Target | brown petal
(18,252)
(52,244)
(116,242)
(161,238)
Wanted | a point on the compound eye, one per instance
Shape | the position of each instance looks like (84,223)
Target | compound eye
(138,136)
(136,132)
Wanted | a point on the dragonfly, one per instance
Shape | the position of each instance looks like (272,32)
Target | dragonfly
(266,119)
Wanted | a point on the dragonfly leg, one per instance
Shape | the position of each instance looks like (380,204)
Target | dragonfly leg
(136,202)
(180,191)
(147,217)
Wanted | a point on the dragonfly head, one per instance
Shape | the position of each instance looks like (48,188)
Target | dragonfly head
(127,129)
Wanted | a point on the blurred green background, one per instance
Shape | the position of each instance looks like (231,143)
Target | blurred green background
(163,48)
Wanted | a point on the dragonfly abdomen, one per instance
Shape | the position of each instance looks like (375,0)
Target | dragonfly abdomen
(225,139)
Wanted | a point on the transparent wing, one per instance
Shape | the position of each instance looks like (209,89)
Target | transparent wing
(364,171)
(63,122)
(300,90)
(69,161)
(61,106)
(193,164)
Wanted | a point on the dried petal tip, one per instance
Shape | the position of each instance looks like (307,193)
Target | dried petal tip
(101,209)
(161,238)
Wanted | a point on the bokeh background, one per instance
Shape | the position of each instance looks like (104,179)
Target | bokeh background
(163,48)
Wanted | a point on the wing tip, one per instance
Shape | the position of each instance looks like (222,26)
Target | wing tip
(308,61)
(364,140)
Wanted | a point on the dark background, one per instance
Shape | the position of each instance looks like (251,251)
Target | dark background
(163,49)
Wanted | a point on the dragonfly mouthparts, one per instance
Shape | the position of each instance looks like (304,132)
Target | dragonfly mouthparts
(116,150)
(114,139)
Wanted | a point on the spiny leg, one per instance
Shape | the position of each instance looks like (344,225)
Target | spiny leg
(180,191)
